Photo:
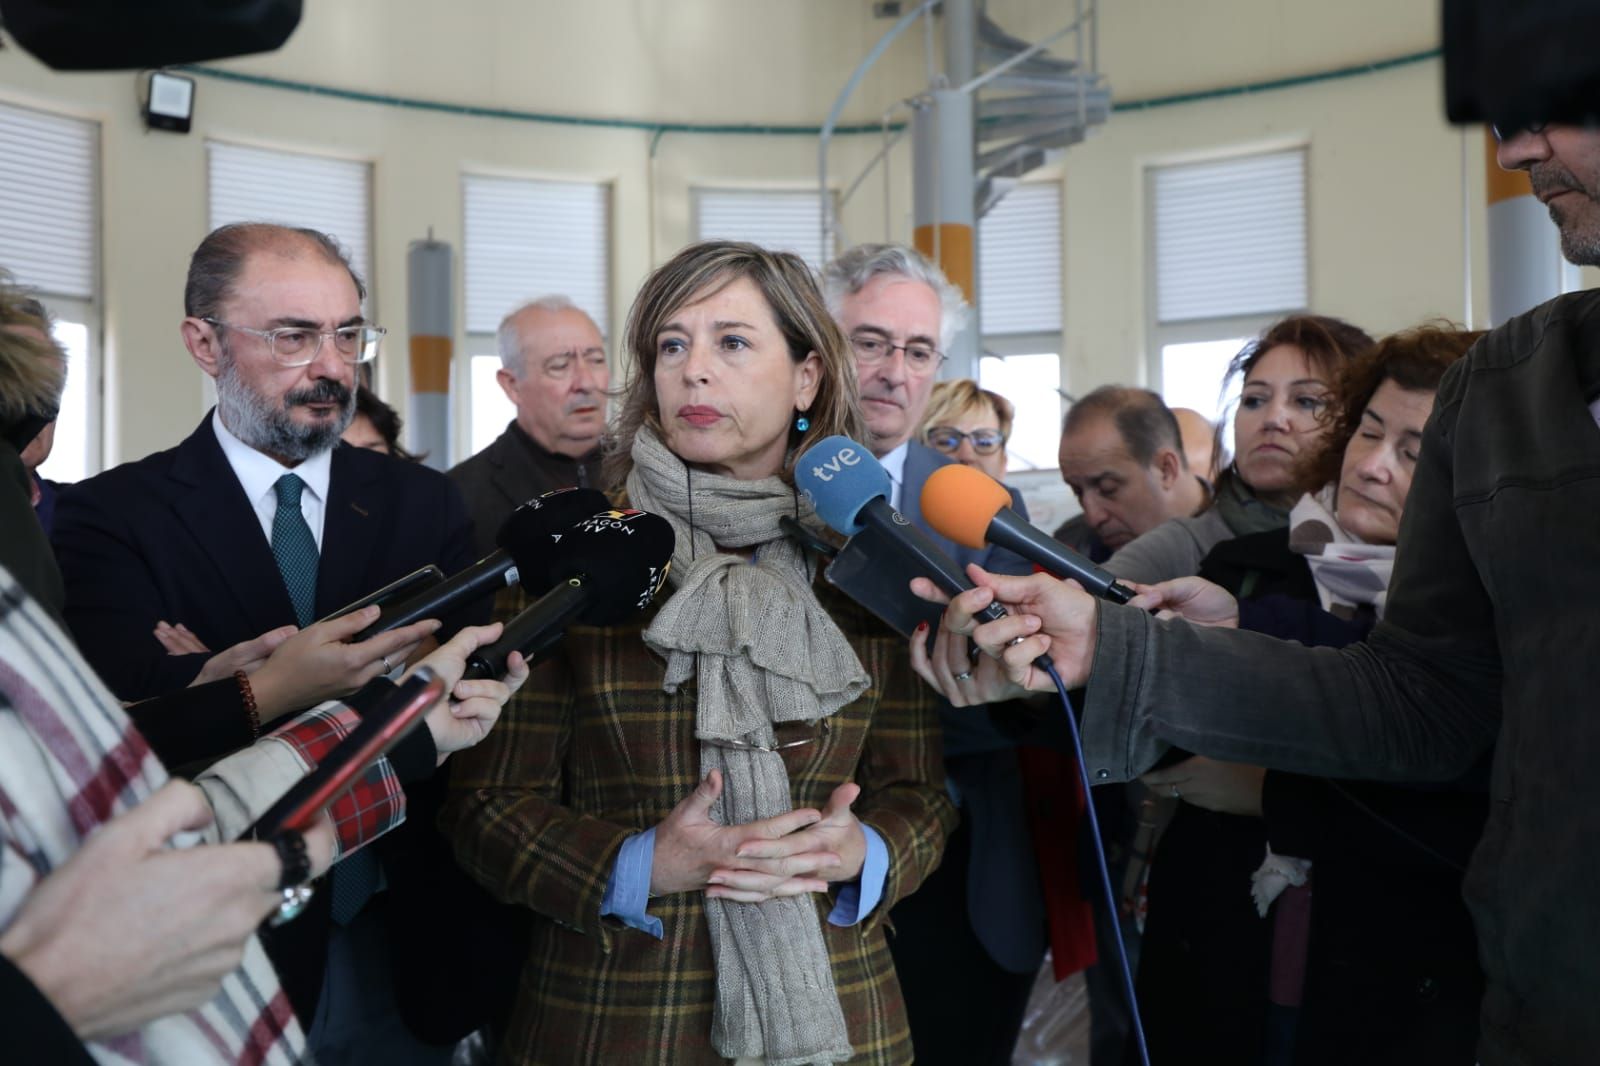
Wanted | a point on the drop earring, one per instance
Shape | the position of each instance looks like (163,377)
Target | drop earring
(802,423)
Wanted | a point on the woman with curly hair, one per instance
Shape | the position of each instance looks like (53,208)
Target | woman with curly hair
(1297,919)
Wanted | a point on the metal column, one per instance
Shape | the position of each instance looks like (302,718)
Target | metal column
(432,332)
(944,189)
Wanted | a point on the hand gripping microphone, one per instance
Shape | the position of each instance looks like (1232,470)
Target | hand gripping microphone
(973,509)
(603,570)
(523,541)
(850,490)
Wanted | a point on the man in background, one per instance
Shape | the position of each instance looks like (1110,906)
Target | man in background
(258,519)
(1122,455)
(982,913)
(553,370)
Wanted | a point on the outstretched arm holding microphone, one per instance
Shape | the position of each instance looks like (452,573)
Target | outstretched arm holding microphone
(1391,708)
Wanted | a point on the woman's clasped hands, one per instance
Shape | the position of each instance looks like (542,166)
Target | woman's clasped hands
(796,852)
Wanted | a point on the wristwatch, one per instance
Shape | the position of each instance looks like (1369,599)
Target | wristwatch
(293,882)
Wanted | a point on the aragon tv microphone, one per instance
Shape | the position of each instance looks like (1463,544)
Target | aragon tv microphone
(524,541)
(850,490)
(605,569)
(973,509)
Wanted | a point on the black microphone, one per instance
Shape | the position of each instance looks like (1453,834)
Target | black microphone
(605,569)
(972,509)
(850,490)
(523,540)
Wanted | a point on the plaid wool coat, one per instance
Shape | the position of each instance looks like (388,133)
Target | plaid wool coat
(591,751)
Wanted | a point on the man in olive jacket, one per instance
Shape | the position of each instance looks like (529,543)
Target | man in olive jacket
(553,368)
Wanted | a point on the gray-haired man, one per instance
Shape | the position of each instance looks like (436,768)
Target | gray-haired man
(553,369)
(981,914)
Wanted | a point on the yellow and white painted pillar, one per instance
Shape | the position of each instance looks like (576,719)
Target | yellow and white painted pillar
(432,332)
(1525,265)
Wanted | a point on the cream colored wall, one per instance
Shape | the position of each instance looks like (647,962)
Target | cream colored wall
(1157,47)
(1384,207)
(155,208)
(1385,176)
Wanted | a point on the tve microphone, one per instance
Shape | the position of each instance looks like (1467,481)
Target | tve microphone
(606,569)
(523,541)
(850,490)
(972,509)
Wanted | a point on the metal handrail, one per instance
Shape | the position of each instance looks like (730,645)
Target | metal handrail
(1021,57)
(850,87)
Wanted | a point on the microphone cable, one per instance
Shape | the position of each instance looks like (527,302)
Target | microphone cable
(1044,663)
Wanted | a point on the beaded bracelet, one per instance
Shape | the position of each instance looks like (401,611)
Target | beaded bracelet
(249,697)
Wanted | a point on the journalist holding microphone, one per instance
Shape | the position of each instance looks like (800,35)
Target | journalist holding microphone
(709,810)
(1488,638)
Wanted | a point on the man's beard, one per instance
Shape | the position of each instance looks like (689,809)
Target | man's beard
(270,429)
(1580,243)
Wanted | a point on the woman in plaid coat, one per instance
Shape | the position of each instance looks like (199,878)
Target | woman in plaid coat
(710,810)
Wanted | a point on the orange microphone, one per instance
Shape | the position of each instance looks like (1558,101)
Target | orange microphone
(973,509)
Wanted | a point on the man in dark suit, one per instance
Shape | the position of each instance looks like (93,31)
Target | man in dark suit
(260,519)
(553,369)
(981,914)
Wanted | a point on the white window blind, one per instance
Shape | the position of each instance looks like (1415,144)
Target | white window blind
(1230,237)
(1019,262)
(48,167)
(332,196)
(777,220)
(526,239)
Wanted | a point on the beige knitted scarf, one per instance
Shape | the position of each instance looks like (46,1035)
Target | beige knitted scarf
(762,651)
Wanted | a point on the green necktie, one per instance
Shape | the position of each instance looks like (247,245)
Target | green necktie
(356,878)
(295,549)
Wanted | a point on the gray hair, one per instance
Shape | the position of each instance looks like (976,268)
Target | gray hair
(850,272)
(216,264)
(509,342)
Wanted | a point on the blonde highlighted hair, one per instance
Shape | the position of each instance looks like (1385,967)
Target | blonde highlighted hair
(702,270)
(32,371)
(952,399)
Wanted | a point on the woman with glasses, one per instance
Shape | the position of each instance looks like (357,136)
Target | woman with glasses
(709,810)
(969,424)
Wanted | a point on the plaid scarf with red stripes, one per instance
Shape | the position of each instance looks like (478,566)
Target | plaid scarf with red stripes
(72,761)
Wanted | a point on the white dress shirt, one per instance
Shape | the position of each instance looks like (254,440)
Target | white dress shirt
(258,475)
(895,465)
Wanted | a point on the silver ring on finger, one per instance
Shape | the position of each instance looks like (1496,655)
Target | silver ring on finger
(965,675)
(1177,795)
(386,667)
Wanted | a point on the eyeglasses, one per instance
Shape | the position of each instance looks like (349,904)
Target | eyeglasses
(948,439)
(1505,133)
(872,349)
(297,346)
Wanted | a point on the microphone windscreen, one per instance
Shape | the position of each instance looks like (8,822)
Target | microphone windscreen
(840,477)
(623,557)
(538,525)
(960,502)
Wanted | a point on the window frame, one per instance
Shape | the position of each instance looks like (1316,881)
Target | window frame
(481,343)
(369,272)
(1158,334)
(87,309)
(799,189)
